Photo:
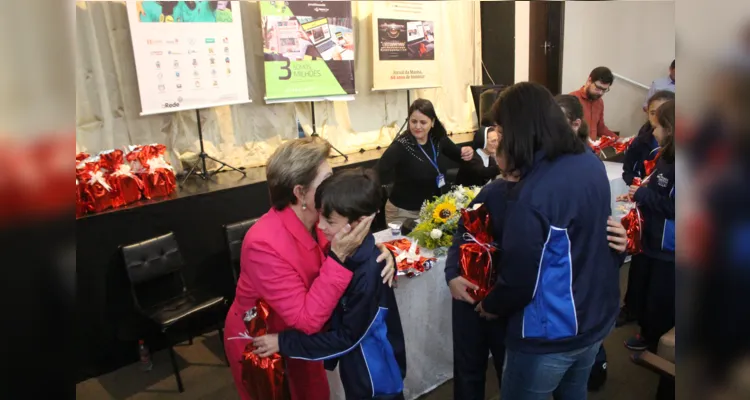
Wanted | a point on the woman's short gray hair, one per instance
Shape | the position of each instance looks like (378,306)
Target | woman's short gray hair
(294,163)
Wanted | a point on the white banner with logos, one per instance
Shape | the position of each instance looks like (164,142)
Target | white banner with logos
(188,55)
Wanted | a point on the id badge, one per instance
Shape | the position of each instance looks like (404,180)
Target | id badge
(440,181)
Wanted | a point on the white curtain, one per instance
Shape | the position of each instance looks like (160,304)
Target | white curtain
(108,105)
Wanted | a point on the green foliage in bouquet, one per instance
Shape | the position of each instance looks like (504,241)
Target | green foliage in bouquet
(438,219)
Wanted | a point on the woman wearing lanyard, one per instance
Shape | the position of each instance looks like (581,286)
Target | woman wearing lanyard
(413,159)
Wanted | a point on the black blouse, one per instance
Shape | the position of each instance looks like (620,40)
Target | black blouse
(415,178)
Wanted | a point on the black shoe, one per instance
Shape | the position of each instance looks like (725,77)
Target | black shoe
(625,317)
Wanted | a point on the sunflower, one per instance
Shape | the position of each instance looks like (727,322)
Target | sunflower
(443,212)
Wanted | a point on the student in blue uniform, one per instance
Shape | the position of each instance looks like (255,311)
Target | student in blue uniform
(366,337)
(656,200)
(558,278)
(475,337)
(644,147)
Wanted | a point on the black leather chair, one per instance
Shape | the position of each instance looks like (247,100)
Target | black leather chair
(158,287)
(235,234)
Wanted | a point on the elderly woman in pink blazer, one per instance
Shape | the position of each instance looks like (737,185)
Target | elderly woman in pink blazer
(288,262)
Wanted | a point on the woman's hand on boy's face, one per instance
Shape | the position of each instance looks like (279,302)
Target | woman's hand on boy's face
(266,346)
(389,272)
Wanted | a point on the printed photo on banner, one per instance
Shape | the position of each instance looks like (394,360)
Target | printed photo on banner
(308,49)
(405,40)
(184,11)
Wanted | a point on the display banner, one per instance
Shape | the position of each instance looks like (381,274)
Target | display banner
(188,54)
(308,48)
(404,45)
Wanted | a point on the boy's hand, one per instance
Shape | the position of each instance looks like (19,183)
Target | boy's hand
(347,240)
(617,235)
(484,314)
(267,345)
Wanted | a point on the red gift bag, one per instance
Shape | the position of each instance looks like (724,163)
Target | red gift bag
(98,192)
(126,185)
(150,166)
(475,256)
(264,378)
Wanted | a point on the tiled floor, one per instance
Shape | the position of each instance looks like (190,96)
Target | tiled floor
(205,376)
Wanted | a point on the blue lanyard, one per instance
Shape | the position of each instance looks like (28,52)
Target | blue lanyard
(434,163)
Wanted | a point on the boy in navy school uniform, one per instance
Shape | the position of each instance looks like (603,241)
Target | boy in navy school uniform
(366,335)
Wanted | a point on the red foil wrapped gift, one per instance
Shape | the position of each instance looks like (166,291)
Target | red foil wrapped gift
(650,165)
(150,166)
(98,192)
(633,224)
(125,184)
(81,203)
(404,267)
(620,145)
(604,142)
(475,256)
(263,377)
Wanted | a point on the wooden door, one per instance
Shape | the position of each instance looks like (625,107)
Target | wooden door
(545,43)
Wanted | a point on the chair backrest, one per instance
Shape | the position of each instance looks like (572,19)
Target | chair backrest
(235,234)
(154,268)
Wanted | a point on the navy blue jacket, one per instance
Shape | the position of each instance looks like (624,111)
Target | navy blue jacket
(365,337)
(497,191)
(657,205)
(643,147)
(558,279)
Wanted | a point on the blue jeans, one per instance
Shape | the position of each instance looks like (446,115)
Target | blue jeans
(536,376)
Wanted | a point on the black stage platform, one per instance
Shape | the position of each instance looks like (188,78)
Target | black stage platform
(107,328)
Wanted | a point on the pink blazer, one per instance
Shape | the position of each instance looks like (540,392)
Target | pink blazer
(283,264)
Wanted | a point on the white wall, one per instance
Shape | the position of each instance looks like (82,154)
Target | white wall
(523,13)
(635,39)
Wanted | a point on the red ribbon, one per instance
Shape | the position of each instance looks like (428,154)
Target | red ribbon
(475,257)
(263,377)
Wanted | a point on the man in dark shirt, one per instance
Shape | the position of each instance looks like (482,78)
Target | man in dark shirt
(590,94)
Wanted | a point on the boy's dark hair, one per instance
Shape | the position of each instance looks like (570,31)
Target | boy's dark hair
(666,117)
(532,121)
(602,74)
(352,193)
(573,110)
(671,66)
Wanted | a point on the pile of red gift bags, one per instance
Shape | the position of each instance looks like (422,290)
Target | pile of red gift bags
(113,179)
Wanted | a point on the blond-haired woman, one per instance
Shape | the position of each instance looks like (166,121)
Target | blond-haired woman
(288,262)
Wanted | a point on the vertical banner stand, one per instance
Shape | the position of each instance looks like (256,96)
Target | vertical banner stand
(199,168)
(315,133)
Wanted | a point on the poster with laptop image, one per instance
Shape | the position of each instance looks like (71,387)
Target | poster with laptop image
(406,40)
(308,50)
(404,48)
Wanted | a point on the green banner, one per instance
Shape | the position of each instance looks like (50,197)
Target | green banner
(308,49)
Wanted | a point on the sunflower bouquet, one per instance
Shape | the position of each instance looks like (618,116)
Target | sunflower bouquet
(438,219)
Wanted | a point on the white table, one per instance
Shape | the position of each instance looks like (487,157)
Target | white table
(617,185)
(424,303)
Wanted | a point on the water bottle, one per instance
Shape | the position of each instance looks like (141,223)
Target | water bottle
(146,364)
